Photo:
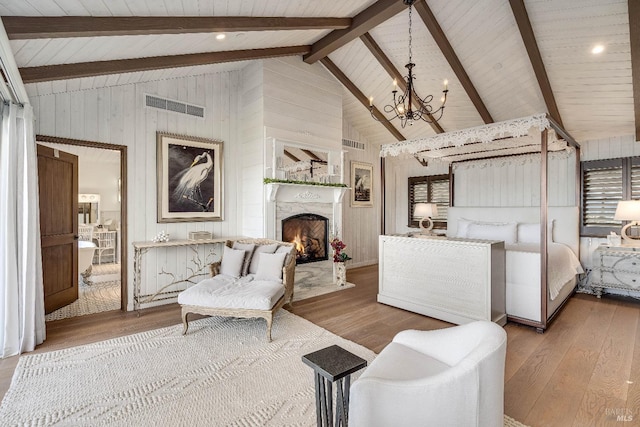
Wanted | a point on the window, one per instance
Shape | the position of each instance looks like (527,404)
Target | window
(429,189)
(604,184)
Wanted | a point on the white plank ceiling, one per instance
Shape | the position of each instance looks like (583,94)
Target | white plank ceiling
(594,93)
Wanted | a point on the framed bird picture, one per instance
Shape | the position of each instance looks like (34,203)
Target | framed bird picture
(361,185)
(189,178)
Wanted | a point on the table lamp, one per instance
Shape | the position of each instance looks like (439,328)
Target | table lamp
(425,211)
(628,210)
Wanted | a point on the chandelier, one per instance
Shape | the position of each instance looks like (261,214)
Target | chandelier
(409,106)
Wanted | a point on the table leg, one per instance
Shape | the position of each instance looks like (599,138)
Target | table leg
(319,384)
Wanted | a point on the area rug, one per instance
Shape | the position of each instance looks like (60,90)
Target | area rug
(222,373)
(315,279)
(97,293)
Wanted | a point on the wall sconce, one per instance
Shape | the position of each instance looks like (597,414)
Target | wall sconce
(425,211)
(628,210)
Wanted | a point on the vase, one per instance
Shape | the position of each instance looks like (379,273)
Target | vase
(339,274)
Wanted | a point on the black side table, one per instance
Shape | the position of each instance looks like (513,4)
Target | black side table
(333,364)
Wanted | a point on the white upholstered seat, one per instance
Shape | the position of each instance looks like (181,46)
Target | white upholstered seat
(446,377)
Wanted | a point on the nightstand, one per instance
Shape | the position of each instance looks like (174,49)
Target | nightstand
(616,267)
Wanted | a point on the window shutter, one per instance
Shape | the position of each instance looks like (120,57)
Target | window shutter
(429,189)
(420,195)
(440,196)
(602,191)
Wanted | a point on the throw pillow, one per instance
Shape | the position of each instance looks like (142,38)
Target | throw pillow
(505,232)
(260,249)
(270,266)
(248,248)
(286,249)
(232,260)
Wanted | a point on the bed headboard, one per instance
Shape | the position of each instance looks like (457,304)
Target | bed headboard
(566,226)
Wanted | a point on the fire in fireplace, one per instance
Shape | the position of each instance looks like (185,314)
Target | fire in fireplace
(310,234)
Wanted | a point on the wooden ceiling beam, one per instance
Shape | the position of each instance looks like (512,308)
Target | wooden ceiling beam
(311,154)
(369,18)
(101,68)
(333,69)
(386,63)
(530,43)
(291,156)
(634,33)
(441,40)
(37,27)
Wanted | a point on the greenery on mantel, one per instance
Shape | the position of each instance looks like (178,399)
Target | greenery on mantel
(288,181)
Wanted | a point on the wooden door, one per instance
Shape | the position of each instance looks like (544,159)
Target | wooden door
(58,189)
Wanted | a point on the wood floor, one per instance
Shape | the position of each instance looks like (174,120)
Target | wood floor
(583,371)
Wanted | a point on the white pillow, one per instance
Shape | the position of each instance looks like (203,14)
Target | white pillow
(285,249)
(530,233)
(232,260)
(248,248)
(463,227)
(261,249)
(270,266)
(505,232)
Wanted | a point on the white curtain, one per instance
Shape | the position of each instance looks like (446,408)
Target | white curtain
(22,324)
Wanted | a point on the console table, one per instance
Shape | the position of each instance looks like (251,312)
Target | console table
(141,248)
(616,267)
(451,279)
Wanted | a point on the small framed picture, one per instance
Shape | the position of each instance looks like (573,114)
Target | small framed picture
(189,178)
(361,184)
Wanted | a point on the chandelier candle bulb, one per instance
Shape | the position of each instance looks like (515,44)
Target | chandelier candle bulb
(371,101)
(446,84)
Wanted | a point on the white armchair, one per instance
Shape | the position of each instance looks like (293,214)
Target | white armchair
(445,377)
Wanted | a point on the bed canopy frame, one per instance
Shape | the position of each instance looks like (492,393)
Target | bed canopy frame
(526,135)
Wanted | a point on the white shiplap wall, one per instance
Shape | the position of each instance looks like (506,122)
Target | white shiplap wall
(252,158)
(117,115)
(361,225)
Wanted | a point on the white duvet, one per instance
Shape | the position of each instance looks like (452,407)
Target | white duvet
(562,266)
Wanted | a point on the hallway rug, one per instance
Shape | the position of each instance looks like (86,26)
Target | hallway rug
(223,372)
(97,293)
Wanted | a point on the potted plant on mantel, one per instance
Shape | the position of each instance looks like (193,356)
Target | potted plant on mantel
(339,259)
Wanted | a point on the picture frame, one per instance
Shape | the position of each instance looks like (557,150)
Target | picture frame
(361,185)
(190,178)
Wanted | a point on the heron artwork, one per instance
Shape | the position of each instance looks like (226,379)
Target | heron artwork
(188,188)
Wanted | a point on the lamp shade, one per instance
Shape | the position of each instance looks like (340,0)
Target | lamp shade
(425,210)
(628,210)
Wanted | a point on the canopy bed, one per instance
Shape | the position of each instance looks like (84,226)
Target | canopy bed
(536,288)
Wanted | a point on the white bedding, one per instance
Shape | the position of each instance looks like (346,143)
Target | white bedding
(562,265)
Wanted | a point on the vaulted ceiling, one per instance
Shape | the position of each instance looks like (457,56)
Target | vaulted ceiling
(503,58)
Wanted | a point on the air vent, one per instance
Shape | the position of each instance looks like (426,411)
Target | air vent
(175,106)
(349,143)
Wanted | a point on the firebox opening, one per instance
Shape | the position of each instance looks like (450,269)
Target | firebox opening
(310,234)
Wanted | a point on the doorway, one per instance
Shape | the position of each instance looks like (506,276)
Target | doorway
(102,225)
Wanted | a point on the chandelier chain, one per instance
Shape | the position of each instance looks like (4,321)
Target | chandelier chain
(407,105)
(410,35)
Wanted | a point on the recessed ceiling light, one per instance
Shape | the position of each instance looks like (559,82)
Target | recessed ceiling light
(597,49)
(221,36)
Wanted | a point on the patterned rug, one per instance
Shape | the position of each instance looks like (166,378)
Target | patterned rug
(222,373)
(315,279)
(97,293)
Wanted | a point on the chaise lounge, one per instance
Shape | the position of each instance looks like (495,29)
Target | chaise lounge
(254,278)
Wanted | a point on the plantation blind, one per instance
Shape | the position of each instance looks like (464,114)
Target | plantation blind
(429,189)
(604,184)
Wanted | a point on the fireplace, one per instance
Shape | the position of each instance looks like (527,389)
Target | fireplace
(310,234)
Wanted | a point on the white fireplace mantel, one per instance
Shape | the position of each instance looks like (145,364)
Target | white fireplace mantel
(292,193)
(276,193)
